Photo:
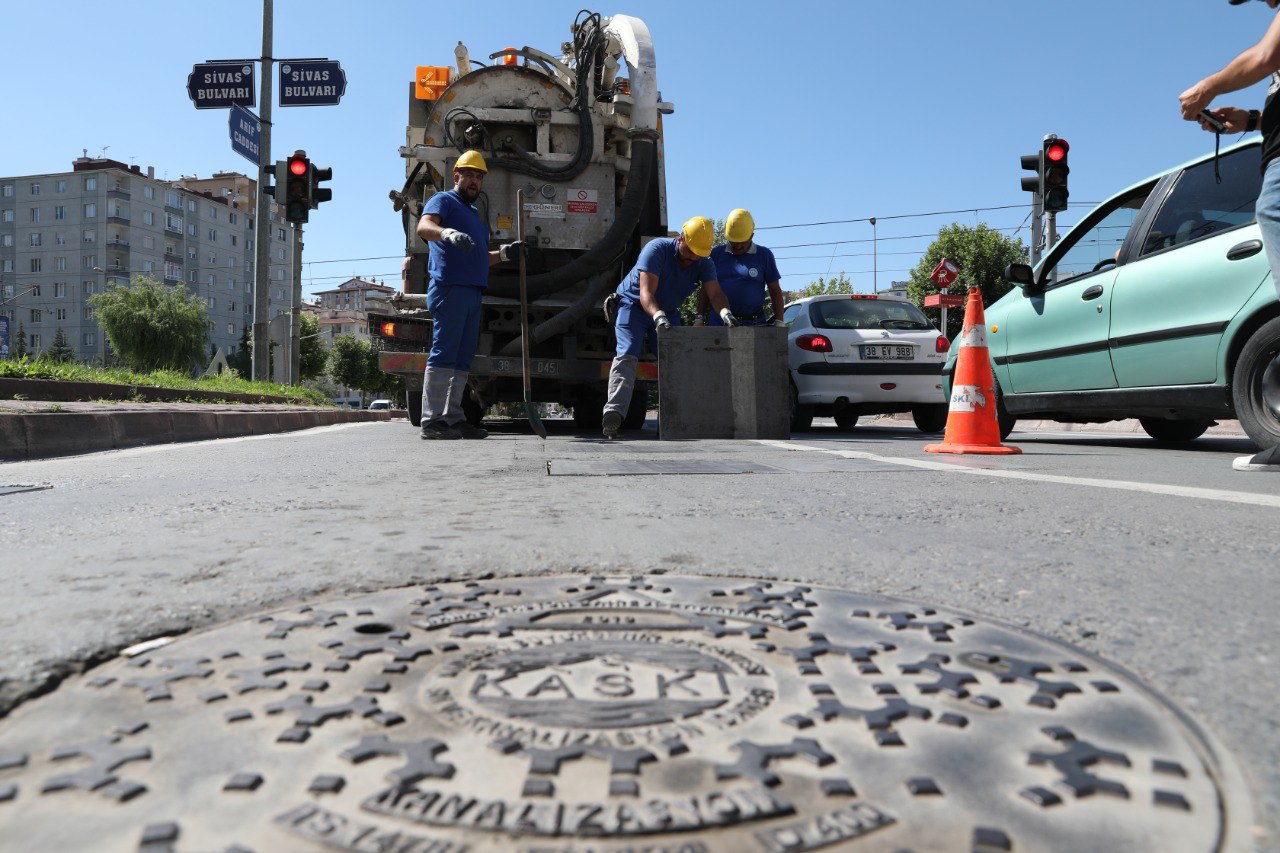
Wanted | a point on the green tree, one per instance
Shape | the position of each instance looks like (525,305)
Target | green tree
(824,286)
(151,326)
(60,349)
(19,348)
(980,252)
(313,357)
(241,359)
(349,363)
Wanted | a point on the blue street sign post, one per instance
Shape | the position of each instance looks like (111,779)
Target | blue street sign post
(311,83)
(220,85)
(246,134)
(4,337)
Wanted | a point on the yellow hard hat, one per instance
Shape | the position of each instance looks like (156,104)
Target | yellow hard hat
(699,233)
(739,227)
(471,160)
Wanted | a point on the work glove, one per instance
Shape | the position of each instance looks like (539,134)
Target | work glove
(660,320)
(727,317)
(611,303)
(512,251)
(457,239)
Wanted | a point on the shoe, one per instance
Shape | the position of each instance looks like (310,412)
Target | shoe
(1266,460)
(436,429)
(466,430)
(612,423)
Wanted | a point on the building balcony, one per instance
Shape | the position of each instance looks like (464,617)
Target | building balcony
(118,192)
(117,219)
(172,278)
(121,246)
(173,208)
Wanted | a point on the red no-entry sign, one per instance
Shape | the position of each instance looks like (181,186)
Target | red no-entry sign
(944,274)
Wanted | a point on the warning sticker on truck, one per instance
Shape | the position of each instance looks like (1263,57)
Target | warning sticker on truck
(583,201)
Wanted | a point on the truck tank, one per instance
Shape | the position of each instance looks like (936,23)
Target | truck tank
(584,142)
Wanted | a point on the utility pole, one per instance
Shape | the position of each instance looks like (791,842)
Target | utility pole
(875,259)
(1037,226)
(262,227)
(295,324)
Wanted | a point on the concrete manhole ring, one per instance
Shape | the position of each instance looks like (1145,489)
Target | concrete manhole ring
(612,714)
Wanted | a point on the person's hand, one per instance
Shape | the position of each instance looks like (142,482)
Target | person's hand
(727,317)
(512,251)
(660,320)
(780,323)
(1194,100)
(457,239)
(1234,118)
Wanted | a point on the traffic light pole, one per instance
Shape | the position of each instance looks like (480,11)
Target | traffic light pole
(262,226)
(1037,226)
(1053,231)
(295,324)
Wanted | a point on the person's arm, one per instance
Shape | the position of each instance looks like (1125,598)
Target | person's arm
(719,302)
(429,228)
(1248,68)
(649,294)
(775,296)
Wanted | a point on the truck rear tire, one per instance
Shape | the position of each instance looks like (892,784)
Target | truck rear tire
(471,410)
(413,400)
(638,410)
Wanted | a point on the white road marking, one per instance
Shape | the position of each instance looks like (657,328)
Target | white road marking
(132,452)
(958,467)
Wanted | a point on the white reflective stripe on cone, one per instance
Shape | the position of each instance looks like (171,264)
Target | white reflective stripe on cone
(974,336)
(965,397)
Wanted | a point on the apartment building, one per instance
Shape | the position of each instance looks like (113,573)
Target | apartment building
(65,236)
(344,309)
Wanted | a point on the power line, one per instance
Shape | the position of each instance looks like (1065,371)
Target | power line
(900,216)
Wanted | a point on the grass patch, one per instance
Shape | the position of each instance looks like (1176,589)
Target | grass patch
(69,371)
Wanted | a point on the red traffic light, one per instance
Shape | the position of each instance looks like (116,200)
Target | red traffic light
(1057,150)
(298,166)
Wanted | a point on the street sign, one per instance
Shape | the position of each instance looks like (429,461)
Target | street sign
(944,300)
(4,337)
(221,85)
(246,134)
(944,274)
(311,83)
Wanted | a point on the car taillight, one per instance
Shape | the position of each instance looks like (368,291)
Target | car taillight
(814,343)
(389,329)
(943,344)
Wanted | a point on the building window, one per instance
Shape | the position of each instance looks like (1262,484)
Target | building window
(62,313)
(191,229)
(36,315)
(150,243)
(213,303)
(60,264)
(280,254)
(191,276)
(148,217)
(191,206)
(148,191)
(211,282)
(280,234)
(6,240)
(90,235)
(34,340)
(60,212)
(212,327)
(35,214)
(248,247)
(35,290)
(233,239)
(35,265)
(231,329)
(172,199)
(91,211)
(6,215)
(213,260)
(91,183)
(233,307)
(35,239)
(89,288)
(62,186)
(90,339)
(6,191)
(148,266)
(6,265)
(88,313)
(59,290)
(60,238)
(88,262)
(35,189)
(213,235)
(231,217)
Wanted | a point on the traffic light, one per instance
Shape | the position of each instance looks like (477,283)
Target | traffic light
(1055,171)
(318,193)
(293,187)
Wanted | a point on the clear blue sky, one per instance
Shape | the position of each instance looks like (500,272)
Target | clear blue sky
(800,111)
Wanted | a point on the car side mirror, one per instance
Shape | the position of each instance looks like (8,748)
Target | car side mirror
(1021,275)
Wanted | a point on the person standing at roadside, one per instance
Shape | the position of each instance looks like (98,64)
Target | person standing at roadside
(746,271)
(1250,67)
(458,265)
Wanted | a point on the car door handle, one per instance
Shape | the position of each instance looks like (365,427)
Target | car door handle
(1247,249)
(1092,293)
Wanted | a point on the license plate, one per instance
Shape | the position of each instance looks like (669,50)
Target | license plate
(886,352)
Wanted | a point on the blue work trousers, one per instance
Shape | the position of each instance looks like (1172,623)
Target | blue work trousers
(1268,208)
(455,314)
(634,327)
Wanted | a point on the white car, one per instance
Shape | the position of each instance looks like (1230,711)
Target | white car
(377,405)
(863,354)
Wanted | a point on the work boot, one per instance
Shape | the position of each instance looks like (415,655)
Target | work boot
(612,423)
(439,430)
(466,430)
(1266,460)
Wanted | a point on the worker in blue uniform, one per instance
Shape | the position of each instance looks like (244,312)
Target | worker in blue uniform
(745,271)
(458,265)
(648,300)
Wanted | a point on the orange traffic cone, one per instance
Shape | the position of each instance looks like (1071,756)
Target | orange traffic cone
(972,426)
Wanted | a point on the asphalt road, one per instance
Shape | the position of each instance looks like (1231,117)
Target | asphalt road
(1161,560)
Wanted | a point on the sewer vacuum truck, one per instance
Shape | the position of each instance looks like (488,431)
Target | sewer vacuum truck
(584,142)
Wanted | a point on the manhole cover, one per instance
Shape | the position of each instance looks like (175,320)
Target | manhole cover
(611,714)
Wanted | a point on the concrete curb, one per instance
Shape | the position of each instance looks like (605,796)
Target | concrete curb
(40,435)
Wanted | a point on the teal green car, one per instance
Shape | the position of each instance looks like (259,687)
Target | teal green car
(1158,305)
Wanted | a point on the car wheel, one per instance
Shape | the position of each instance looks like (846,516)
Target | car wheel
(471,410)
(1007,421)
(931,417)
(1255,386)
(801,416)
(846,421)
(413,402)
(1165,429)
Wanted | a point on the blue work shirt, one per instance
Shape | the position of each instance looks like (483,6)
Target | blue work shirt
(661,258)
(744,278)
(449,264)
